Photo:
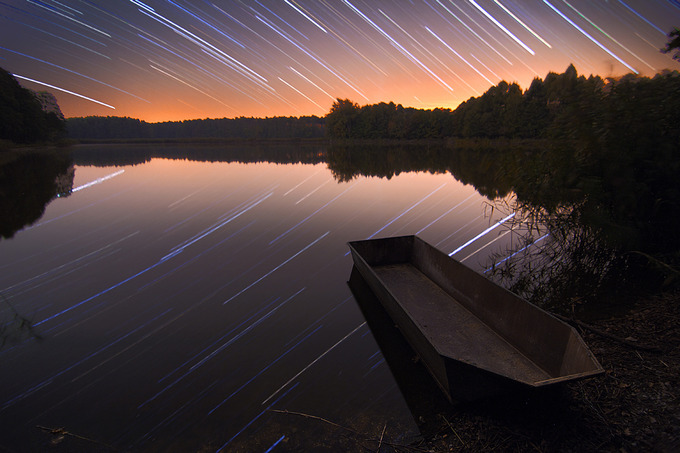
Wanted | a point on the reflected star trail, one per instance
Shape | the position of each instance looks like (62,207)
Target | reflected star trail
(188,299)
(161,60)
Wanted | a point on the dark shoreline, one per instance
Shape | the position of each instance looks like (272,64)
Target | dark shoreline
(632,407)
(498,142)
(198,140)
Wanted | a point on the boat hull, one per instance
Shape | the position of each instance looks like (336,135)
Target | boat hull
(474,337)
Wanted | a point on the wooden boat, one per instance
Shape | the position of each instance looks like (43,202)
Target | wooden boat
(475,337)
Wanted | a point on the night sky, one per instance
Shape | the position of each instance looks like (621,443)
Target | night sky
(175,59)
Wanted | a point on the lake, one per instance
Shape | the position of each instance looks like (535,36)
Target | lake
(181,296)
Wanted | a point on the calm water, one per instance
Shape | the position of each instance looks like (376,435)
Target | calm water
(179,302)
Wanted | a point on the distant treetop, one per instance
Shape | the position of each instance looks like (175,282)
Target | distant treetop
(673,43)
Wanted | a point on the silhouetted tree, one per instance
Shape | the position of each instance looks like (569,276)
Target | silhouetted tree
(340,121)
(534,116)
(673,44)
(22,118)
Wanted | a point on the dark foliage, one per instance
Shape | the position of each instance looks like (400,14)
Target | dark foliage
(22,119)
(563,106)
(673,44)
(347,120)
(114,128)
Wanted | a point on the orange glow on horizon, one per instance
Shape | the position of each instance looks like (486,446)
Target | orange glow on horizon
(180,109)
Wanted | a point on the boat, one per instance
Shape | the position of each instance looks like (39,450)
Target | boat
(476,338)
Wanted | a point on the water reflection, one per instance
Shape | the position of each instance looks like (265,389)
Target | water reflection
(592,221)
(29,180)
(282,153)
(604,218)
(190,291)
(478,163)
(584,216)
(182,301)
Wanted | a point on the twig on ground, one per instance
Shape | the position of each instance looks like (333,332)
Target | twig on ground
(315,417)
(381,437)
(454,431)
(60,433)
(360,435)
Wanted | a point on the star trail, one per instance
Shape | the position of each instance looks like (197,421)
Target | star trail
(175,59)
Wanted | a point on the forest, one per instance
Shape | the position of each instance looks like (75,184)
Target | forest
(27,116)
(560,106)
(630,110)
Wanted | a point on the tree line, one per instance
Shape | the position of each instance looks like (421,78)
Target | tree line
(560,106)
(124,128)
(27,116)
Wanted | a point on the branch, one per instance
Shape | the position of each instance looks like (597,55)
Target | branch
(60,433)
(363,436)
(602,333)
